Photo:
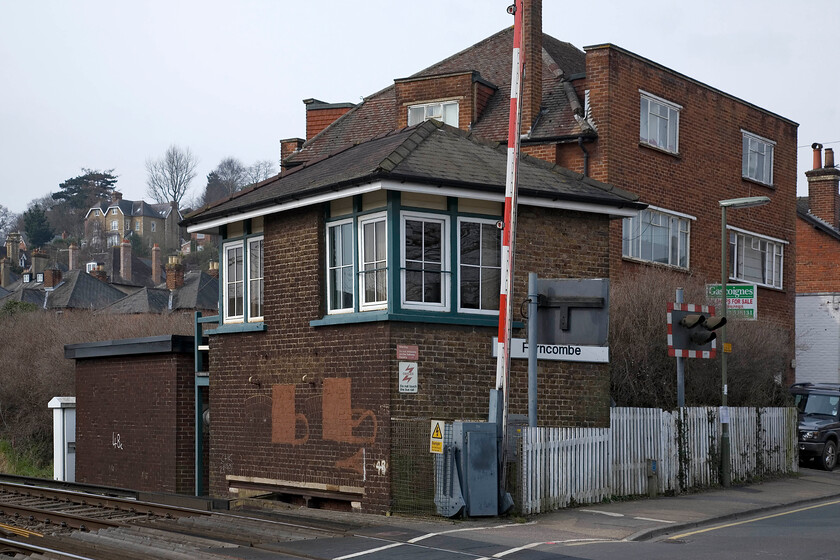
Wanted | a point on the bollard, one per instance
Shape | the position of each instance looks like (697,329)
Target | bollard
(652,478)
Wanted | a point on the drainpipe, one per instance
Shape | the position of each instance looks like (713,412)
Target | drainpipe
(585,157)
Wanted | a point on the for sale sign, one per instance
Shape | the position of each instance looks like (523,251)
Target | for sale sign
(741,300)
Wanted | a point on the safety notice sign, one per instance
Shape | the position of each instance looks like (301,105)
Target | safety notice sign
(436,437)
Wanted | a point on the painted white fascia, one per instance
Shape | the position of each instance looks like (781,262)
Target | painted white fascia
(389,185)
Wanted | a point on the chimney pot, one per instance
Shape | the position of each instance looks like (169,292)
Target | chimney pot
(156,265)
(817,155)
(829,157)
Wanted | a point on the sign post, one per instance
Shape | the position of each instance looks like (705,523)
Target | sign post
(741,300)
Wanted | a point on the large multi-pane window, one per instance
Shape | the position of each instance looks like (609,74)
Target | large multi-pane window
(659,123)
(242,287)
(424,278)
(436,265)
(340,290)
(657,236)
(757,160)
(373,258)
(755,258)
(445,112)
(480,265)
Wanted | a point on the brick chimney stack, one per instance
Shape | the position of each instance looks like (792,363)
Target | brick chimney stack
(116,197)
(52,278)
(72,257)
(5,273)
(174,273)
(288,147)
(13,247)
(39,262)
(156,265)
(532,86)
(824,187)
(99,273)
(125,260)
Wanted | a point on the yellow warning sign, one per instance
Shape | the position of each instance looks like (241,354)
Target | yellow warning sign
(436,439)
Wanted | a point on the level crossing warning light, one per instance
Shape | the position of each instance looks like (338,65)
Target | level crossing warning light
(691,330)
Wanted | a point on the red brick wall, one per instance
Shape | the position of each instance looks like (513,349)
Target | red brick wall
(706,170)
(817,260)
(319,119)
(135,423)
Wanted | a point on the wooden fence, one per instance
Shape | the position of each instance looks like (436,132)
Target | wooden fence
(562,466)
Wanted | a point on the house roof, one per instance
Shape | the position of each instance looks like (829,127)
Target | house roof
(135,208)
(430,154)
(77,290)
(492,60)
(200,292)
(803,210)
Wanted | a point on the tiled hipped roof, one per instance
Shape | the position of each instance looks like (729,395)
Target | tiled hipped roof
(430,153)
(491,59)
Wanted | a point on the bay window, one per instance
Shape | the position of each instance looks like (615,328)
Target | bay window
(425,279)
(480,265)
(242,287)
(373,257)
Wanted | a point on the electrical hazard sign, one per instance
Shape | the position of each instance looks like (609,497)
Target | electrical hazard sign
(436,437)
(408,377)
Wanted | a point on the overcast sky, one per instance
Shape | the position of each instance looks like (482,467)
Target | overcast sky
(107,84)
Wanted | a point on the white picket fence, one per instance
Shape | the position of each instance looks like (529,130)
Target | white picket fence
(561,466)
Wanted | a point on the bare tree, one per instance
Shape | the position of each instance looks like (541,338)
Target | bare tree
(259,171)
(170,176)
(8,219)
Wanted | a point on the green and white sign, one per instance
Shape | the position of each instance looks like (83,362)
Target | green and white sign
(741,300)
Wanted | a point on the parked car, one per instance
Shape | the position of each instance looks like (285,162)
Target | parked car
(819,422)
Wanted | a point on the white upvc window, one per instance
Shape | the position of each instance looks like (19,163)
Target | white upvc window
(136,226)
(659,122)
(755,258)
(234,284)
(115,225)
(255,279)
(757,160)
(657,235)
(424,261)
(113,211)
(446,112)
(340,263)
(373,262)
(479,265)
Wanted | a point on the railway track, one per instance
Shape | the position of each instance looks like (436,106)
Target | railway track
(40,522)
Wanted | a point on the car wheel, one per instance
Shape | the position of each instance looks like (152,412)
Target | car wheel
(829,456)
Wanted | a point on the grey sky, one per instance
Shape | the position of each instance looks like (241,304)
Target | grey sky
(105,84)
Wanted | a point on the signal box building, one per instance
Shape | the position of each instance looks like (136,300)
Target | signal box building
(338,272)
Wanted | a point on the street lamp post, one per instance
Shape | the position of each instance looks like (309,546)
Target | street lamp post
(747,202)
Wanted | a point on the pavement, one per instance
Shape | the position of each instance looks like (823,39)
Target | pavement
(631,520)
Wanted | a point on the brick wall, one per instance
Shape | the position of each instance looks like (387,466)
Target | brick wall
(299,405)
(817,260)
(135,423)
(319,119)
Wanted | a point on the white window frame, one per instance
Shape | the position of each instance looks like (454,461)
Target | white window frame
(365,305)
(672,118)
(429,112)
(249,280)
(115,225)
(495,289)
(329,268)
(113,211)
(233,246)
(445,273)
(635,237)
(754,145)
(772,266)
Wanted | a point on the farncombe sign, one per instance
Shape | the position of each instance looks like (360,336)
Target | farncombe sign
(557,352)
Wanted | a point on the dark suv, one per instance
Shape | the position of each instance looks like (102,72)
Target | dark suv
(819,423)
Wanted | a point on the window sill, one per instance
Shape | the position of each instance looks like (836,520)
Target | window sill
(237,328)
(672,267)
(759,183)
(411,317)
(643,144)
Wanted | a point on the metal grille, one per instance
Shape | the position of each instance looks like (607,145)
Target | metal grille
(413,467)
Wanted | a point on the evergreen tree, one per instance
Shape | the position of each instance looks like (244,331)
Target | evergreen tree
(37,227)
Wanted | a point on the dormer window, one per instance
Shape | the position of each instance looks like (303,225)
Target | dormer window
(446,112)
